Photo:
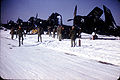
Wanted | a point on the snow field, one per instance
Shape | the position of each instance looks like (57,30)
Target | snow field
(56,60)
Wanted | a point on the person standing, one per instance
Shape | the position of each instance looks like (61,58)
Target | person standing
(73,34)
(40,30)
(12,33)
(54,30)
(60,33)
(49,30)
(20,35)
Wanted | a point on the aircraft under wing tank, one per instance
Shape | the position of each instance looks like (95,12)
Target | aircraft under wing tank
(93,23)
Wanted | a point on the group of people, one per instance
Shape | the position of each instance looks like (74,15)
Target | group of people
(60,29)
(20,32)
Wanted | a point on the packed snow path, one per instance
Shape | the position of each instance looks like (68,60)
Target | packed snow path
(55,60)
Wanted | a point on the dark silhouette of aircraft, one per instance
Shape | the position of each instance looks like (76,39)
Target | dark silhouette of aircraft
(9,24)
(93,23)
(88,24)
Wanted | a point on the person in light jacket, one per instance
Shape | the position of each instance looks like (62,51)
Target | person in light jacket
(73,34)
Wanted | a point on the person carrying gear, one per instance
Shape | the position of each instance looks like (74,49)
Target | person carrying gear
(40,30)
(20,35)
(12,33)
(73,34)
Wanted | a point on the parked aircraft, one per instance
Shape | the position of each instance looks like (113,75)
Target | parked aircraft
(93,23)
(88,24)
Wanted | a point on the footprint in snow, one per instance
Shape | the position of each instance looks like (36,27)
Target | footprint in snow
(10,48)
(9,44)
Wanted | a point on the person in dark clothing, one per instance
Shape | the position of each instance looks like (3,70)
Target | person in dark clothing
(54,30)
(20,35)
(73,34)
(40,30)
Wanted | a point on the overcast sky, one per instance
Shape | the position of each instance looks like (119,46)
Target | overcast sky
(24,9)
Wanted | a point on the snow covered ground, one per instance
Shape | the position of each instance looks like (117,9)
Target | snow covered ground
(56,60)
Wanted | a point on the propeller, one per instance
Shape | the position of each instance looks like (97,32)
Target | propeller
(36,15)
(75,11)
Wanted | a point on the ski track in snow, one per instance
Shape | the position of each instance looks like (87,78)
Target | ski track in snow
(56,60)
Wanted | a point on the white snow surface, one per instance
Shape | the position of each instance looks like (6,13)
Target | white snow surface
(52,59)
